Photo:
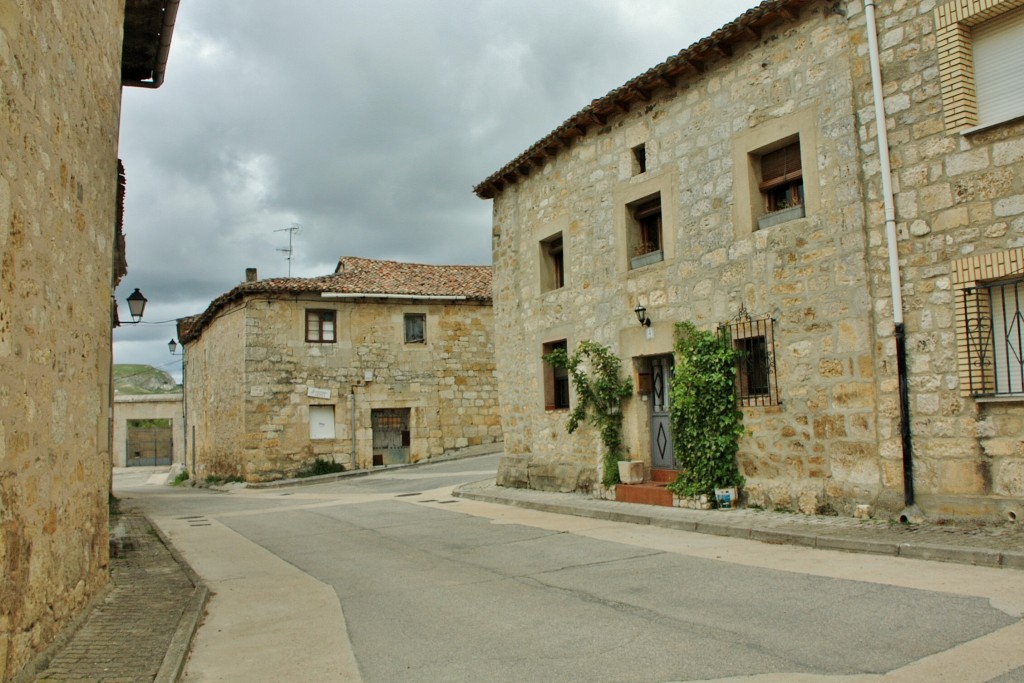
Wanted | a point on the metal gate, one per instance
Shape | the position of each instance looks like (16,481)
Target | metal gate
(149,446)
(662,453)
(390,436)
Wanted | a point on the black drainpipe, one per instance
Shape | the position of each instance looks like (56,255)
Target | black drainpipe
(908,449)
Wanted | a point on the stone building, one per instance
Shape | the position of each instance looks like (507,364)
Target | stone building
(379,363)
(62,66)
(740,184)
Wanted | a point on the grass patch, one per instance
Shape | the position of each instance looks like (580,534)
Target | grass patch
(213,479)
(180,479)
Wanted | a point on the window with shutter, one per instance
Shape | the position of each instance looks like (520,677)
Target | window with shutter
(782,180)
(998,76)
(980,49)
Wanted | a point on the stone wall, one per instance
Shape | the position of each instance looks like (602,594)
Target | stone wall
(817,449)
(60,87)
(960,220)
(447,383)
(215,396)
(831,440)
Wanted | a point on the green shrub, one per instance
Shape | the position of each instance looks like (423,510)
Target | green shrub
(321,466)
(599,397)
(706,425)
(180,479)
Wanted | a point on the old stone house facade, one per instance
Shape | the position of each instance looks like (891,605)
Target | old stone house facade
(62,67)
(379,363)
(740,184)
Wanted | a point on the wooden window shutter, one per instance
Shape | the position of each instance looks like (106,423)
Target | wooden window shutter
(780,166)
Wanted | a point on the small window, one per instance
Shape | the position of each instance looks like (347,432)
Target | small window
(320,326)
(639,159)
(753,338)
(556,380)
(321,422)
(646,233)
(415,328)
(552,269)
(782,180)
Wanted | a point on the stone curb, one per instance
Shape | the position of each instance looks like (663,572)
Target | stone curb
(177,652)
(181,642)
(460,454)
(830,540)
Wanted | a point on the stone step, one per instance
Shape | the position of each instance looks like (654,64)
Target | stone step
(647,493)
(663,476)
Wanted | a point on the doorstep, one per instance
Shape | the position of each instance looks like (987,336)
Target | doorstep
(651,492)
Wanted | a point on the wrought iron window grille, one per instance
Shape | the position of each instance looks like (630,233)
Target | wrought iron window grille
(756,377)
(993,322)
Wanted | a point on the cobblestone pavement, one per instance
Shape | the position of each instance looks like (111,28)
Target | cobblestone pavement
(986,544)
(133,634)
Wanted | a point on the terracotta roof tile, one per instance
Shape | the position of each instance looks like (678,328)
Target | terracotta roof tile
(358,276)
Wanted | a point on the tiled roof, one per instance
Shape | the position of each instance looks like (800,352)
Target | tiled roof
(686,66)
(358,277)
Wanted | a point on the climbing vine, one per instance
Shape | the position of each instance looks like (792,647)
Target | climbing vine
(706,424)
(595,375)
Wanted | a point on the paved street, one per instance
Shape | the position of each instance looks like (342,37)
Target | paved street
(388,577)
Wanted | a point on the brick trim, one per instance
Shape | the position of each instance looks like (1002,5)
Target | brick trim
(953,22)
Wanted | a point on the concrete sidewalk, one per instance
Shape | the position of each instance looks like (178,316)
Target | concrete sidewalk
(140,630)
(983,544)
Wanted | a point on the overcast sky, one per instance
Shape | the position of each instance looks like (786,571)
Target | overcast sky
(367,123)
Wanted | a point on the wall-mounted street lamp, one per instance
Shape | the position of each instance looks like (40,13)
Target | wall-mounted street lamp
(172,346)
(641,315)
(136,305)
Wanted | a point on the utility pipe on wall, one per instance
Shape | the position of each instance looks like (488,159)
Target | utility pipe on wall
(894,261)
(352,395)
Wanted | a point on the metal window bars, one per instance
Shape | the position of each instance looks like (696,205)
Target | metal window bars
(754,339)
(993,332)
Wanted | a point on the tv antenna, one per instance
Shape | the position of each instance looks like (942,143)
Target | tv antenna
(289,251)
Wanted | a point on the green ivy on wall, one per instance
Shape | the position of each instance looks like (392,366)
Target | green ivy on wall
(706,424)
(595,375)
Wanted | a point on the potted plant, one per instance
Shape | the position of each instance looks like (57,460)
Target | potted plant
(646,253)
(782,213)
(706,424)
(595,375)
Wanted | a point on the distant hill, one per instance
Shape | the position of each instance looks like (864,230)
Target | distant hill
(143,379)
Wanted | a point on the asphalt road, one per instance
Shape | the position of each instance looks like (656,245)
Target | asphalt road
(388,578)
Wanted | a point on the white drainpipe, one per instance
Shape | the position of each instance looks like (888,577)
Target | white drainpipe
(910,512)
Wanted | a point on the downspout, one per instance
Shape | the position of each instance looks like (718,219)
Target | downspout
(184,409)
(352,389)
(894,262)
